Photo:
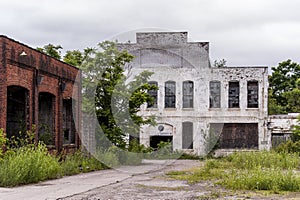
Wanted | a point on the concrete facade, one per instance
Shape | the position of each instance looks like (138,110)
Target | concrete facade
(196,108)
(280,127)
(36,89)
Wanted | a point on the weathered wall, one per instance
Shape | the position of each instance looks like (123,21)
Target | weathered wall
(172,58)
(21,66)
(280,127)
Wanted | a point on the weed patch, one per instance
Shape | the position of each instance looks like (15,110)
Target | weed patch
(248,171)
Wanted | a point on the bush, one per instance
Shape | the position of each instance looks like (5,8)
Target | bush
(28,164)
(289,147)
(78,162)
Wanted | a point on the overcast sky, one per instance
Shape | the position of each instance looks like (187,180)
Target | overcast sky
(243,32)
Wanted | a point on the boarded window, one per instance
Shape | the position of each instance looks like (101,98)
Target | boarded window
(188,94)
(234,95)
(215,94)
(187,135)
(153,94)
(239,135)
(170,94)
(252,88)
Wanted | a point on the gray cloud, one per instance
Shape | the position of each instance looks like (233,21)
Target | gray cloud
(248,32)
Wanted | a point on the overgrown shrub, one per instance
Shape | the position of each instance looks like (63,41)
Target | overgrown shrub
(79,162)
(28,164)
(289,147)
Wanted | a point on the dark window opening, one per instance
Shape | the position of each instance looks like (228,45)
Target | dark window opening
(155,140)
(170,94)
(187,135)
(17,117)
(68,122)
(214,94)
(153,94)
(46,118)
(188,94)
(234,95)
(252,88)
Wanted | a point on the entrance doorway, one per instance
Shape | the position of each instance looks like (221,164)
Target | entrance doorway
(155,140)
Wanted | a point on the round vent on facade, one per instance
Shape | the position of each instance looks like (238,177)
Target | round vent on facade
(161,127)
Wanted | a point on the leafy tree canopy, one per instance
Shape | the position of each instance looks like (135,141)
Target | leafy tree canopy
(284,85)
(51,50)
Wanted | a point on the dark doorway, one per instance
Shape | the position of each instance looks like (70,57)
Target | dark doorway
(155,140)
(17,117)
(46,118)
(240,135)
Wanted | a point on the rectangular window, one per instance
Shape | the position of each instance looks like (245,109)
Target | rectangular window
(252,98)
(215,94)
(153,94)
(188,94)
(234,95)
(187,135)
(170,94)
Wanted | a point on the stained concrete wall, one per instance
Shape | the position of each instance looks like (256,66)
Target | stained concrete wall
(172,58)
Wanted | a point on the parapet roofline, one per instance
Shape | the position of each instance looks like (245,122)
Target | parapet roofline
(25,45)
(239,67)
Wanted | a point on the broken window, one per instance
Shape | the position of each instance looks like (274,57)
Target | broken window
(153,94)
(187,135)
(188,94)
(252,88)
(170,94)
(214,94)
(17,117)
(68,122)
(234,95)
(46,118)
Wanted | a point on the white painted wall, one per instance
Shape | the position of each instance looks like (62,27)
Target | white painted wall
(171,57)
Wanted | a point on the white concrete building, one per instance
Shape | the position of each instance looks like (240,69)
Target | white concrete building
(196,102)
(281,127)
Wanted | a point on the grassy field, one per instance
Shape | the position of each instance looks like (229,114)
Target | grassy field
(254,171)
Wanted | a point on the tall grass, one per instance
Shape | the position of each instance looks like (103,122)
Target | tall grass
(28,164)
(249,170)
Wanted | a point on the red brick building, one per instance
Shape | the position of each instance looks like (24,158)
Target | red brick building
(36,89)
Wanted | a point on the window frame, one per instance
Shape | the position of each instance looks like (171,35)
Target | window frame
(213,96)
(254,96)
(153,94)
(233,99)
(188,95)
(170,96)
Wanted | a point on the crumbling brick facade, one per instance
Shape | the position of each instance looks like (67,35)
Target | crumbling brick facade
(36,89)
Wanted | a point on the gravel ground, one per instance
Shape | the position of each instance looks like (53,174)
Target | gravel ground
(156,185)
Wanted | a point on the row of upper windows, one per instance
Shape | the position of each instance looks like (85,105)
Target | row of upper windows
(214,94)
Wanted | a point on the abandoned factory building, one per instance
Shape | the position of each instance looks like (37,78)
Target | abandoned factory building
(41,91)
(197,102)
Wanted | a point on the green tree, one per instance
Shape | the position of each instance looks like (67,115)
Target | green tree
(283,90)
(116,102)
(74,58)
(51,50)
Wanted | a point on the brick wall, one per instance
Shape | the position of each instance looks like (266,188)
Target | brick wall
(21,65)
